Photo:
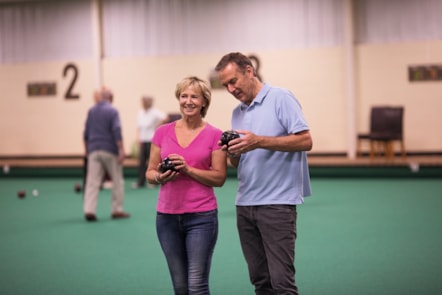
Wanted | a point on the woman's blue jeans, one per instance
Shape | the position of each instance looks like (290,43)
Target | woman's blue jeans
(188,241)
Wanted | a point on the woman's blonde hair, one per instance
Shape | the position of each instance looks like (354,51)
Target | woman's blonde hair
(198,83)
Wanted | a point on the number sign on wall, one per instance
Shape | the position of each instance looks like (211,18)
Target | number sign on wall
(70,71)
(70,67)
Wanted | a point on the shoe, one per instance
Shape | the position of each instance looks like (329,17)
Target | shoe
(120,215)
(90,217)
(135,185)
(108,184)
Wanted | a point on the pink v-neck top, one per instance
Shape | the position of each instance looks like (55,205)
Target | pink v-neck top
(184,194)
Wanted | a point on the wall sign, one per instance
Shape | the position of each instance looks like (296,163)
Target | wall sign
(42,89)
(420,73)
(215,83)
(70,70)
(256,65)
(70,67)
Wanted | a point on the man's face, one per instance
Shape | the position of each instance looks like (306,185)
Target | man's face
(239,84)
(147,103)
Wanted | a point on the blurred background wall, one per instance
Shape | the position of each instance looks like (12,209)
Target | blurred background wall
(339,58)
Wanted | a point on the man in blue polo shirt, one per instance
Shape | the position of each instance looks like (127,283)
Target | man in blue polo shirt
(105,152)
(270,157)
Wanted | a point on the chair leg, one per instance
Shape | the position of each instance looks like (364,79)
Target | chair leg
(358,148)
(385,149)
(403,150)
(372,149)
(379,148)
(389,149)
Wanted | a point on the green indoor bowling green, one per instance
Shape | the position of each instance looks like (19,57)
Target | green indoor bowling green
(359,235)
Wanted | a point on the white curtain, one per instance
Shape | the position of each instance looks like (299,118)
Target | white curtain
(381,21)
(174,27)
(45,31)
(62,30)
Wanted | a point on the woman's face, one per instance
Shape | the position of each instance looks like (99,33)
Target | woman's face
(191,101)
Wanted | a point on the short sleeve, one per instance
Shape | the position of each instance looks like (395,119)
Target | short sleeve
(290,113)
(159,134)
(215,138)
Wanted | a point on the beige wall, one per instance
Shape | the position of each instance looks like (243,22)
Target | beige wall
(310,74)
(53,125)
(48,125)
(383,80)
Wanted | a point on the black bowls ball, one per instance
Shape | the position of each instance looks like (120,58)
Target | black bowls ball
(227,136)
(167,165)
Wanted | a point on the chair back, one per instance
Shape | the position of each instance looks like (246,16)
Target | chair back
(386,123)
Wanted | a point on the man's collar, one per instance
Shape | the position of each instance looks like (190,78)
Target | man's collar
(259,97)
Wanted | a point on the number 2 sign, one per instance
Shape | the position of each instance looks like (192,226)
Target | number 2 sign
(70,67)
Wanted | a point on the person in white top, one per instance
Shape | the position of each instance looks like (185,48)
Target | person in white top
(148,119)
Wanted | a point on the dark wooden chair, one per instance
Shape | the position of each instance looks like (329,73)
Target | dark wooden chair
(386,128)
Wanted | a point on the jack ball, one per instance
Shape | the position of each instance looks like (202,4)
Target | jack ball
(21,194)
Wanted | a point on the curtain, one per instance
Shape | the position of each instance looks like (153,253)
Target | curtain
(380,21)
(61,30)
(174,27)
(45,31)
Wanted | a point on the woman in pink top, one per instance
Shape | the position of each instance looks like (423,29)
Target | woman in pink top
(187,217)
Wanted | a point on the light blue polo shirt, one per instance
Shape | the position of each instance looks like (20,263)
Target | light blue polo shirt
(272,177)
